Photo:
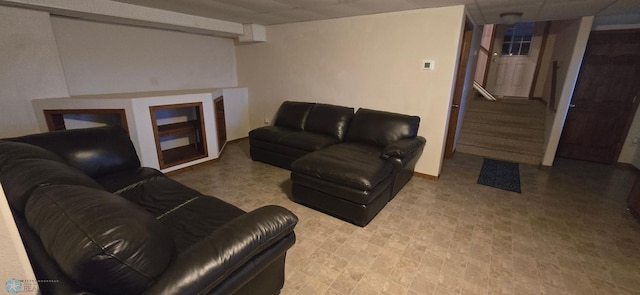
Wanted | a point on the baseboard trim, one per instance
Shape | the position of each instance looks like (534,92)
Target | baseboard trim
(178,171)
(628,166)
(425,176)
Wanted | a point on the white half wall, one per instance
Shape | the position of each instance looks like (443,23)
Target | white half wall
(30,68)
(371,61)
(101,58)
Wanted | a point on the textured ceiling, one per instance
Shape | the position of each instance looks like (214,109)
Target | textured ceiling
(271,12)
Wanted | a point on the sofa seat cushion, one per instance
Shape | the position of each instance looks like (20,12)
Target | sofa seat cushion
(103,242)
(349,164)
(308,141)
(270,133)
(117,181)
(196,218)
(158,195)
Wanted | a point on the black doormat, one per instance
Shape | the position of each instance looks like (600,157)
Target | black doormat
(500,174)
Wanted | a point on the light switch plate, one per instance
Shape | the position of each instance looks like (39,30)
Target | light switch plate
(428,65)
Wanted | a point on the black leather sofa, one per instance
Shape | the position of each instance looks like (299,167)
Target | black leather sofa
(298,129)
(94,222)
(371,156)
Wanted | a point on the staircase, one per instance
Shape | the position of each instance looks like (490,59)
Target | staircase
(506,129)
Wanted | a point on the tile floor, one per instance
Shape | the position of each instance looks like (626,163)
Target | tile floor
(567,233)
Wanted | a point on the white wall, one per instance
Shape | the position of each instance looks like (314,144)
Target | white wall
(109,58)
(15,262)
(30,68)
(571,38)
(366,61)
(45,57)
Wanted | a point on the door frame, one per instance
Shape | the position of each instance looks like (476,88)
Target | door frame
(454,108)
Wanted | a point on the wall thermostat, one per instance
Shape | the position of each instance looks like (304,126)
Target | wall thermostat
(428,64)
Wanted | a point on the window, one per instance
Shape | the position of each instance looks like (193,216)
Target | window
(517,39)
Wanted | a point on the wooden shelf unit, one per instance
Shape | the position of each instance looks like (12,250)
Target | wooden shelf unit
(192,130)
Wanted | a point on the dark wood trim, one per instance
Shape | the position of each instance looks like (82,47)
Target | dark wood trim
(536,73)
(454,111)
(425,176)
(55,118)
(170,158)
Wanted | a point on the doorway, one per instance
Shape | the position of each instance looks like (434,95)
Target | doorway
(605,98)
(513,58)
(459,88)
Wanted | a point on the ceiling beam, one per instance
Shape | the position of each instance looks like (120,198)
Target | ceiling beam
(122,13)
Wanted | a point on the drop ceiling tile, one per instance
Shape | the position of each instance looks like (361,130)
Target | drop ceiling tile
(622,7)
(258,5)
(571,8)
(298,15)
(266,19)
(380,6)
(338,10)
(440,3)
(310,3)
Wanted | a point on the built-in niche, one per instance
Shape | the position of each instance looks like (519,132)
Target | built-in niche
(84,118)
(179,133)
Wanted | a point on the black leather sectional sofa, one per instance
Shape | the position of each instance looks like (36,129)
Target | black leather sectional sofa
(345,164)
(94,222)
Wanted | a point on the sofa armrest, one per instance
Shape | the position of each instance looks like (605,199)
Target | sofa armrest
(204,266)
(403,147)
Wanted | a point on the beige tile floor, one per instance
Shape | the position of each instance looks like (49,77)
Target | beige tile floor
(567,233)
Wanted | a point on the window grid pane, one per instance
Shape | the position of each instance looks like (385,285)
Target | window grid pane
(517,39)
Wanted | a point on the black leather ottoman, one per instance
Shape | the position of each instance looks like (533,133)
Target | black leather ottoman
(348,180)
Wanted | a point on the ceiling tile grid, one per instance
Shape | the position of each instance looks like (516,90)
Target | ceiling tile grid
(270,12)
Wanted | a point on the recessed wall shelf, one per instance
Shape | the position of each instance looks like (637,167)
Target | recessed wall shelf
(182,141)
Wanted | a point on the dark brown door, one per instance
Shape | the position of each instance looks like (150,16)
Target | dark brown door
(605,98)
(457,93)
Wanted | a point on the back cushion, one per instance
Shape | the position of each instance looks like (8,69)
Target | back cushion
(380,128)
(103,242)
(10,151)
(293,115)
(20,177)
(329,119)
(94,151)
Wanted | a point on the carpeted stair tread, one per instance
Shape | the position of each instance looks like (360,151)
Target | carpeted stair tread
(500,143)
(521,133)
(499,154)
(471,116)
(517,107)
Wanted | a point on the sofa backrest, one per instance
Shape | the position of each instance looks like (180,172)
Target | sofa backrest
(94,151)
(329,119)
(293,114)
(25,167)
(379,128)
